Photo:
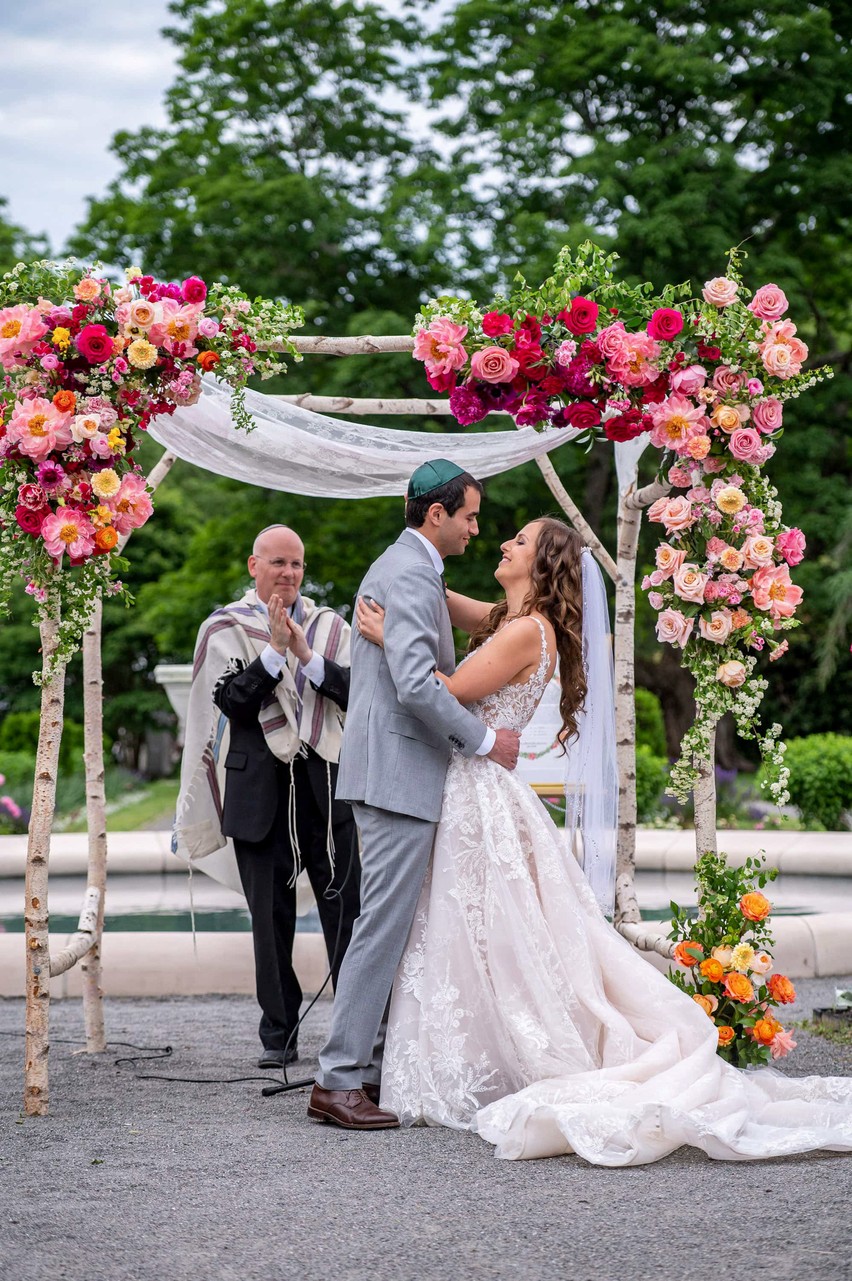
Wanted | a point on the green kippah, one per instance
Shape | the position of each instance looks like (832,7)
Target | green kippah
(430,475)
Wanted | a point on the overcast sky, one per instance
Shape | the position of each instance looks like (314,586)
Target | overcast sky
(74,74)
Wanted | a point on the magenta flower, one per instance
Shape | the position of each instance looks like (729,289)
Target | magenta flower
(466,406)
(193,290)
(665,324)
(95,344)
(51,477)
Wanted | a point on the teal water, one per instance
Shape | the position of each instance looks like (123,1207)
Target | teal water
(218,920)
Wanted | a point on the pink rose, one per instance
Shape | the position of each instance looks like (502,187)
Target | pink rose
(495,323)
(95,344)
(688,380)
(727,381)
(720,291)
(754,387)
(678,515)
(717,627)
(772,590)
(665,324)
(655,511)
(581,318)
(493,365)
(668,560)
(744,444)
(193,290)
(689,583)
(208,327)
(612,339)
(757,551)
(732,673)
(791,545)
(673,628)
(655,600)
(769,303)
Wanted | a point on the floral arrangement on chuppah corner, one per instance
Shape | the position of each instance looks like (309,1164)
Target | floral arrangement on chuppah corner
(706,376)
(86,367)
(727,963)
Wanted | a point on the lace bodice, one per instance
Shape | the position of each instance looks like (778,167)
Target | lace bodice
(512,706)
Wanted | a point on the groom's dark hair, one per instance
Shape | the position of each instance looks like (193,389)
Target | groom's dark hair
(450,495)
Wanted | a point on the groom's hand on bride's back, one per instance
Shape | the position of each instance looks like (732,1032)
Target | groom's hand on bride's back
(505,749)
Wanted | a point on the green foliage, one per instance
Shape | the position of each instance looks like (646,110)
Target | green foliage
(652,774)
(19,735)
(820,783)
(722,924)
(18,769)
(650,727)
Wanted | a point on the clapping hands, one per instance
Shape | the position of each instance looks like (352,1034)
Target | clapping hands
(285,633)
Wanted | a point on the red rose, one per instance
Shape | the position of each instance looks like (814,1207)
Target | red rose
(95,344)
(582,415)
(495,323)
(31,521)
(193,289)
(626,426)
(665,324)
(708,353)
(591,351)
(582,316)
(552,385)
(531,361)
(655,392)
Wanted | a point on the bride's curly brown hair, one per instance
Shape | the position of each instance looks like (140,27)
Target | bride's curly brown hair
(556,592)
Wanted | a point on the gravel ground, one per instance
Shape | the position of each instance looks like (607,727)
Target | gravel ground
(142,1179)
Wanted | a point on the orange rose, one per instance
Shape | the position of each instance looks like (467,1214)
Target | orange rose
(688,953)
(764,1031)
(739,988)
(65,402)
(106,539)
(781,989)
(207,360)
(726,1035)
(755,906)
(704,1001)
(712,969)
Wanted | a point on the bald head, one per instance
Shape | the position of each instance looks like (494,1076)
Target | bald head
(277,563)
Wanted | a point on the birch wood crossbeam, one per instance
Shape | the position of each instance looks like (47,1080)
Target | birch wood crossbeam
(85,935)
(366,405)
(638,935)
(361,345)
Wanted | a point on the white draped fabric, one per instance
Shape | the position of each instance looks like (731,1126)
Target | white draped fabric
(301,452)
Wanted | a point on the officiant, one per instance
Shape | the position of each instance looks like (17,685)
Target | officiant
(278,669)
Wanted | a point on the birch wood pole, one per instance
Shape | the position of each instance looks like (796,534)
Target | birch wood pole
(704,800)
(36,918)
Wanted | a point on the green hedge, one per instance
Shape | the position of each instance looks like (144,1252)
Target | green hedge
(650,726)
(652,773)
(821,778)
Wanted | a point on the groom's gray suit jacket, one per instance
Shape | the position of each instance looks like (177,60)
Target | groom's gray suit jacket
(402,722)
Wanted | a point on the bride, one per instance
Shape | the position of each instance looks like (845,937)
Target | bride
(518,1011)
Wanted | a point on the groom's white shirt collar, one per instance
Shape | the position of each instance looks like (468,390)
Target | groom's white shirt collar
(430,547)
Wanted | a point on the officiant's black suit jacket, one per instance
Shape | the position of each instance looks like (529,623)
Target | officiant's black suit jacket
(253,774)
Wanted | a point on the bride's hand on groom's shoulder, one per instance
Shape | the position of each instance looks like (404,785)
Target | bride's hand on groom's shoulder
(370,620)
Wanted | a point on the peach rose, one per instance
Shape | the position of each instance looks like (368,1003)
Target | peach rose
(704,1002)
(781,989)
(726,417)
(757,551)
(730,500)
(688,953)
(732,673)
(738,987)
(142,314)
(87,290)
(722,955)
(731,559)
(678,515)
(755,906)
(674,628)
(668,560)
(689,583)
(493,365)
(717,628)
(726,1035)
(712,970)
(720,291)
(762,963)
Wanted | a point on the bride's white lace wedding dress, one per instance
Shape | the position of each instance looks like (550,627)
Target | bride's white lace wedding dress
(520,1013)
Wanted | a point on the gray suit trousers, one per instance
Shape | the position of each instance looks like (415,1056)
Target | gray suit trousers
(396,852)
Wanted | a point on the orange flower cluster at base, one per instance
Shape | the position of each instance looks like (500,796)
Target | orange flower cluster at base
(207,360)
(755,906)
(726,1035)
(65,402)
(688,953)
(738,988)
(765,1029)
(106,539)
(781,989)
(712,970)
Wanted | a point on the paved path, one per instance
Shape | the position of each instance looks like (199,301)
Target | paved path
(132,1180)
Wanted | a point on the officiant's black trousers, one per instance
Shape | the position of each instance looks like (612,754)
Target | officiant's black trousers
(266,867)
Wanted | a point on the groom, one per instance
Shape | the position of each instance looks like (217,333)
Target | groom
(401,727)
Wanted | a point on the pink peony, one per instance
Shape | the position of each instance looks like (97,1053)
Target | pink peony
(37,427)
(689,583)
(665,324)
(494,365)
(495,323)
(440,346)
(95,344)
(21,328)
(68,531)
(673,628)
(745,445)
(688,380)
(769,303)
(633,364)
(772,590)
(768,415)
(717,627)
(791,545)
(720,291)
(132,505)
(675,420)
(193,290)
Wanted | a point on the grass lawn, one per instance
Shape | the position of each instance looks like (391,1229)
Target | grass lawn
(152,807)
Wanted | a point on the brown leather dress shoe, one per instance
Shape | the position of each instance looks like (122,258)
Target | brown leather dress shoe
(373,1093)
(350,1109)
